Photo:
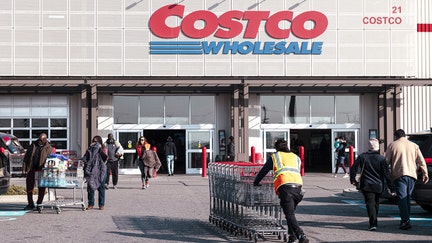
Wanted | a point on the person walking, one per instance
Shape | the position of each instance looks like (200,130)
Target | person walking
(340,152)
(151,164)
(33,161)
(374,173)
(170,155)
(115,152)
(287,184)
(95,172)
(231,149)
(405,158)
(140,148)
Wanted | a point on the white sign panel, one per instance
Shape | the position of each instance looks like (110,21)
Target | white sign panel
(306,38)
(286,38)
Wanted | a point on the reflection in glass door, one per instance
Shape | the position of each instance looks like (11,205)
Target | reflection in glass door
(351,136)
(128,140)
(196,140)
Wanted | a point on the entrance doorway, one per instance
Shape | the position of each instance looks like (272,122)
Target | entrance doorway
(318,148)
(157,138)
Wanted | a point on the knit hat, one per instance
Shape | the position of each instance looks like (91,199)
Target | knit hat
(373,144)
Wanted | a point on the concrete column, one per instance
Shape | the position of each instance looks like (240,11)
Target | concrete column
(389,113)
(245,122)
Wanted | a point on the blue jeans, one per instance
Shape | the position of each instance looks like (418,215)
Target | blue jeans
(101,198)
(404,188)
(170,164)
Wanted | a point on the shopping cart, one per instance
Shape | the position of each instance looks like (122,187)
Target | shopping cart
(241,208)
(65,174)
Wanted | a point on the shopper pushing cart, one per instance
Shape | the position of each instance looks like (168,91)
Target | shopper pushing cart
(288,184)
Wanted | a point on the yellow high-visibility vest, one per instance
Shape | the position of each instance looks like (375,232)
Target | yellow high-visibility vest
(286,168)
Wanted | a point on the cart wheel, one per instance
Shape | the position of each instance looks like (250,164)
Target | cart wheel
(210,219)
(285,237)
(250,235)
(58,210)
(280,236)
(83,207)
(39,209)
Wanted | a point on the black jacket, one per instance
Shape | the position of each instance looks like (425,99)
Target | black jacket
(375,172)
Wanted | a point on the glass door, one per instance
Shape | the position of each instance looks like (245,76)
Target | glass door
(270,138)
(196,140)
(128,139)
(351,136)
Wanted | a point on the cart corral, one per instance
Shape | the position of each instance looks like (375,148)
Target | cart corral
(241,208)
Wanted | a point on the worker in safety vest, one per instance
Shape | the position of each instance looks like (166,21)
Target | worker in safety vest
(287,185)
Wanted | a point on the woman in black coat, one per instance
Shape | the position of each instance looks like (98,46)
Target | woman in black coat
(374,171)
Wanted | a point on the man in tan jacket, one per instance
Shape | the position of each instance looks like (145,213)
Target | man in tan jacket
(404,158)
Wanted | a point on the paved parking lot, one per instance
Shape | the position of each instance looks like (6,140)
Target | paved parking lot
(176,209)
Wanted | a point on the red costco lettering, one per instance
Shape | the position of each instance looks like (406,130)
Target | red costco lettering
(230,24)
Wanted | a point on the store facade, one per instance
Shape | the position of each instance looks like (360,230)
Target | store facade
(203,71)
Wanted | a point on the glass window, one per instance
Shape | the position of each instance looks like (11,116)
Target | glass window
(59,122)
(271,138)
(21,101)
(197,140)
(151,109)
(39,122)
(25,134)
(58,133)
(59,101)
(40,101)
(5,100)
(22,122)
(5,112)
(322,109)
(5,122)
(59,144)
(40,111)
(272,109)
(37,132)
(202,109)
(347,109)
(298,109)
(59,111)
(177,110)
(126,109)
(22,111)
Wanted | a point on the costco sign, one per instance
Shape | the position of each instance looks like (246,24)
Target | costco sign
(232,24)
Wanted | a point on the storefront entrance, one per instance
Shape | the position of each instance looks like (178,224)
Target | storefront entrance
(157,138)
(318,145)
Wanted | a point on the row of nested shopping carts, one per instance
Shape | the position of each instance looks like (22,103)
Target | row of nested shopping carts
(65,174)
(241,208)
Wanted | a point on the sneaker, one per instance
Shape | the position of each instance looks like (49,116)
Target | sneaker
(147,185)
(303,239)
(106,187)
(346,175)
(29,207)
(114,187)
(334,176)
(405,225)
(291,239)
(373,228)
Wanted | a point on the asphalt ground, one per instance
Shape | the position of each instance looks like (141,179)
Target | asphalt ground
(177,209)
